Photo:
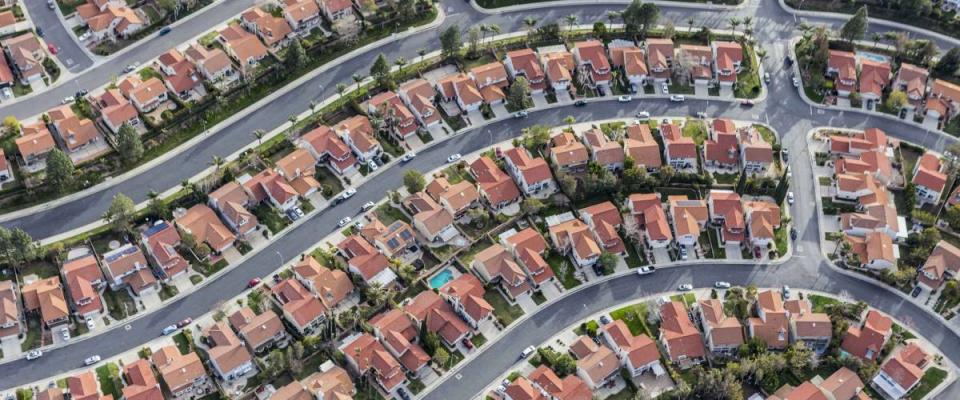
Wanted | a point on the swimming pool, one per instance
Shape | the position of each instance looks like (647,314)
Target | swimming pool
(441,278)
(873,56)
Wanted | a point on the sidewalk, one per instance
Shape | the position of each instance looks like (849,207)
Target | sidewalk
(566,3)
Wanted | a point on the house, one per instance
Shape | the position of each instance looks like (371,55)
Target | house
(650,218)
(365,355)
(688,217)
(462,89)
(275,32)
(242,46)
(5,173)
(271,186)
(870,162)
(943,262)
(629,59)
(929,179)
(842,66)
(844,384)
(109,20)
(201,222)
(640,145)
(569,388)
(161,241)
(141,383)
(637,354)
(763,219)
(531,174)
(944,100)
(559,66)
(604,220)
(10,311)
(815,330)
(54,393)
(598,367)
(679,151)
(338,12)
(298,168)
(228,356)
(465,294)
(874,217)
(605,152)
(431,313)
(418,95)
(328,148)
(491,81)
(867,340)
(214,64)
(330,382)
(874,79)
(528,248)
(724,334)
(302,15)
(679,337)
(397,117)
(83,386)
(45,298)
(433,221)
(574,238)
(357,133)
(330,285)
(660,59)
(146,95)
(399,336)
(497,190)
(525,63)
(455,198)
(756,155)
(292,391)
(697,62)
(875,251)
(721,149)
(127,267)
(116,110)
(567,153)
(727,211)
(365,261)
(592,61)
(34,143)
(394,241)
(729,57)
(182,373)
(179,74)
(6,74)
(854,186)
(522,389)
(259,332)
(75,133)
(871,139)
(772,323)
(231,201)
(301,309)
(496,265)
(912,80)
(27,55)
(901,372)
(84,281)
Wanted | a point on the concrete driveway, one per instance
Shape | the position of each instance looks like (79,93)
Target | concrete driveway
(726,92)
(733,251)
(661,255)
(540,100)
(500,110)
(10,347)
(701,89)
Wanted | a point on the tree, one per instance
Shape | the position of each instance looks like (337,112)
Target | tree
(734,23)
(800,358)
(295,357)
(571,21)
(400,62)
(608,261)
(928,50)
(358,79)
(441,357)
(856,26)
(531,206)
(376,294)
(157,206)
(380,71)
(567,183)
(259,134)
(296,57)
(17,247)
(120,213)
(11,124)
(450,42)
(599,29)
(407,272)
(341,88)
(413,180)
(519,94)
(478,216)
(129,144)
(669,31)
(536,136)
(530,23)
(59,172)
(640,17)
(474,35)
(947,65)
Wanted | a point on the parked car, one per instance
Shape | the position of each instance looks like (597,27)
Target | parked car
(67,100)
(80,93)
(683,253)
(51,4)
(34,354)
(277,278)
(625,99)
(646,270)
(184,322)
(701,115)
(527,352)
(756,252)
(454,158)
(372,165)
(407,157)
(793,233)
(721,285)
(253,282)
(343,222)
(368,205)
(796,82)
(580,103)
(86,35)
(686,287)
(604,320)
(39,31)
(165,30)
(677,98)
(467,343)
(784,155)
(129,68)
(65,334)
(786,291)
(747,103)
(91,324)
(52,47)
(665,88)
(790,198)
(168,330)
(520,114)
(91,360)
(643,115)
(348,193)
(766,77)
(789,60)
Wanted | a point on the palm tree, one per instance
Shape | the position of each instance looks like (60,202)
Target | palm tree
(530,23)
(613,16)
(494,30)
(734,23)
(341,88)
(313,108)
(747,22)
(357,78)
(571,21)
(762,55)
(259,134)
(293,125)
(422,52)
(690,21)
(877,37)
(400,62)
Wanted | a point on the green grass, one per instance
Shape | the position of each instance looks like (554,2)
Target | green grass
(388,214)
(466,257)
(183,344)
(831,208)
(748,80)
(695,130)
(635,316)
(207,270)
(709,240)
(270,217)
(502,309)
(820,303)
(726,179)
(33,338)
(687,299)
(563,269)
(587,328)
(109,377)
(457,173)
(329,184)
(168,291)
(626,393)
(538,297)
(478,340)
(148,72)
(634,258)
(196,279)
(904,334)
(781,240)
(766,133)
(824,180)
(932,378)
(119,303)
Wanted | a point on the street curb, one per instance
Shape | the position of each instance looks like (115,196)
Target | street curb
(93,57)
(566,3)
(441,16)
(882,22)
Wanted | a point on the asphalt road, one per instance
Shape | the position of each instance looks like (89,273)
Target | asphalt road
(70,54)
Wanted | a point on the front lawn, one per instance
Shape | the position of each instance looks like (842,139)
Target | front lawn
(270,217)
(388,214)
(478,340)
(748,80)
(635,316)
(109,378)
(687,299)
(820,303)
(725,179)
(563,269)
(932,378)
(695,130)
(502,309)
(329,184)
(119,303)
(183,344)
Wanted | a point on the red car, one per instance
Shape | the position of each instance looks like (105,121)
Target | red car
(467,343)
(52,48)
(185,322)
(253,282)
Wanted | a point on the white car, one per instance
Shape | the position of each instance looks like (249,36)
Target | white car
(358,225)
(665,88)
(686,287)
(343,222)
(368,205)
(677,98)
(527,352)
(67,100)
(790,198)
(454,158)
(372,165)
(91,324)
(624,99)
(796,82)
(646,270)
(348,193)
(85,36)
(520,114)
(65,334)
(407,157)
(34,354)
(722,285)
(643,116)
(91,360)
(168,330)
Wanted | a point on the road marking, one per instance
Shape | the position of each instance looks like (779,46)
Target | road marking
(69,62)
(458,376)
(127,327)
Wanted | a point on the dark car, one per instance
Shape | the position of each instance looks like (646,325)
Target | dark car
(793,233)
(580,103)
(756,252)
(253,282)
(39,31)
(789,61)
(165,30)
(184,322)
(467,343)
(276,278)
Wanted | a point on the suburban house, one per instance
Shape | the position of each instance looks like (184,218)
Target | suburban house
(83,386)
(871,139)
(491,80)
(395,114)
(943,262)
(815,330)
(84,281)
(357,133)
(679,151)
(843,384)
(5,172)
(637,354)
(944,100)
(45,298)
(110,20)
(202,222)
(116,110)
(497,190)
(394,241)
(650,219)
(275,32)
(592,60)
(496,265)
(763,219)
(418,95)
(874,79)
(598,367)
(679,337)
(605,152)
(870,162)
(242,46)
(688,217)
(328,148)
(141,382)
(298,169)
(721,149)
(127,267)
(640,145)
(433,221)
(301,309)
(875,250)
(339,13)
(559,66)
(366,262)
(727,211)
(269,185)
(660,59)
(465,294)
(604,220)
(724,334)
(179,74)
(901,372)
(573,237)
(567,153)
(182,373)
(27,54)
(756,155)
(399,336)
(456,198)
(330,285)
(628,58)
(431,313)
(729,57)
(867,340)
(146,95)
(842,66)
(929,179)
(697,62)
(772,323)
(228,355)
(366,356)
(10,311)
(161,240)
(330,382)
(912,80)
(525,63)
(569,388)
(854,186)
(232,200)
(302,15)
(75,133)
(462,89)
(214,64)
(533,175)
(528,248)
(259,332)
